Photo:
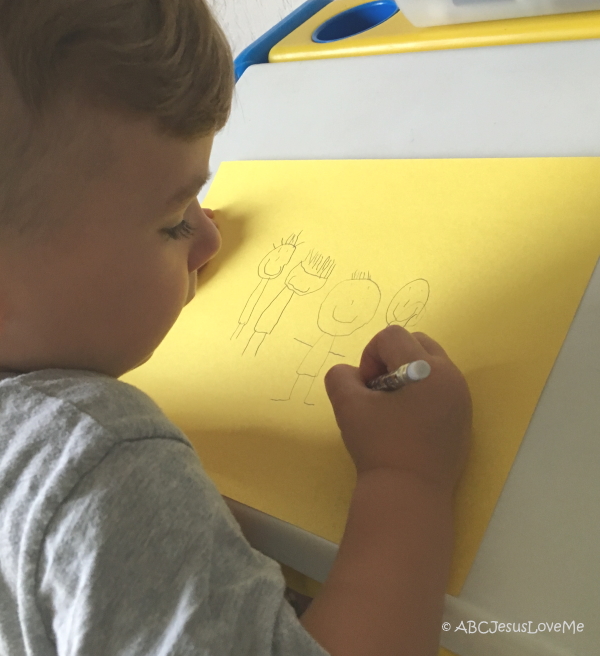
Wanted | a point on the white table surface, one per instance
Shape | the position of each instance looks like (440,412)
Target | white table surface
(539,560)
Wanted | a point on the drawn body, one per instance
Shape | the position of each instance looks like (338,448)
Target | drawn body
(350,305)
(315,358)
(408,304)
(307,277)
(269,268)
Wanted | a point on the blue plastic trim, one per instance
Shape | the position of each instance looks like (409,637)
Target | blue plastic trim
(258,52)
(355,20)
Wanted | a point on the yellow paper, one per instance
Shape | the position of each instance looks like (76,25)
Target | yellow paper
(489,257)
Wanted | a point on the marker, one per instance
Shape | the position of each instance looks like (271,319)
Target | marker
(410,372)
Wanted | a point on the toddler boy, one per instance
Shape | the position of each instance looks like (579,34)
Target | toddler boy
(114,540)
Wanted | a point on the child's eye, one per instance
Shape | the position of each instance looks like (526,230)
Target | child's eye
(183,229)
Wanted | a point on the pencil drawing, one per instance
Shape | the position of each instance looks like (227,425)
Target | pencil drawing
(269,268)
(350,305)
(307,277)
(408,304)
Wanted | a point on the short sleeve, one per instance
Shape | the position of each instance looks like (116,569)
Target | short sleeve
(144,558)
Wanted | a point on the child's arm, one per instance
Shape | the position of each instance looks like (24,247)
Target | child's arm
(385,593)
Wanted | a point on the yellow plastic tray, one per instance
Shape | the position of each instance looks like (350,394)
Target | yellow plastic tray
(398,35)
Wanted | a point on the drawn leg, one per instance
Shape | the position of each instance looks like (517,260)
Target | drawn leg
(249,307)
(269,318)
(312,380)
(254,342)
(300,389)
(291,391)
(314,360)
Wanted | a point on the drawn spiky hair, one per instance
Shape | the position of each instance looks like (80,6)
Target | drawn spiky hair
(292,240)
(361,275)
(318,265)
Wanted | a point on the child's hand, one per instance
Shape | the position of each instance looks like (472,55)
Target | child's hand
(422,429)
(209,213)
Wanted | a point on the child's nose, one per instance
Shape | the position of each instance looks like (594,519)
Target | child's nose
(207,242)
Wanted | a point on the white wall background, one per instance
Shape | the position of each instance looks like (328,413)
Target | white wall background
(243,21)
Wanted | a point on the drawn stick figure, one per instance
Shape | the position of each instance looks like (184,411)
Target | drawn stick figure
(350,305)
(270,267)
(307,277)
(408,304)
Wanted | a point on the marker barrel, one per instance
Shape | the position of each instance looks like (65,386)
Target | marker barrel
(411,372)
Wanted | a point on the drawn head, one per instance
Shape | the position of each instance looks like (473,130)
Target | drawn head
(406,307)
(274,261)
(350,305)
(310,275)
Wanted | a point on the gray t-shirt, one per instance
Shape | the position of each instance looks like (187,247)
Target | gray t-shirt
(114,541)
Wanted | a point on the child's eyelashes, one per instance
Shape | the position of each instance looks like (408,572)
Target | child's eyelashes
(181,230)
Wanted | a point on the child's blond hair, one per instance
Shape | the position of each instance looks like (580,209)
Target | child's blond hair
(163,59)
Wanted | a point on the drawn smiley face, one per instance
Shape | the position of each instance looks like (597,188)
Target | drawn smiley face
(349,305)
(406,307)
(273,263)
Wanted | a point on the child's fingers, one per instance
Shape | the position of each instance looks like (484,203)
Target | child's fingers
(429,344)
(341,383)
(209,213)
(388,350)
